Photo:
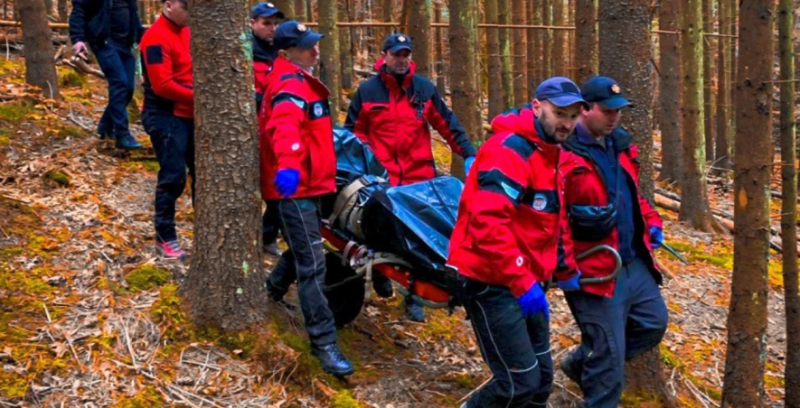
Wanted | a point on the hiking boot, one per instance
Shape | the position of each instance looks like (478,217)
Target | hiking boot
(128,142)
(382,285)
(104,136)
(332,359)
(171,250)
(572,366)
(414,311)
(272,249)
(275,293)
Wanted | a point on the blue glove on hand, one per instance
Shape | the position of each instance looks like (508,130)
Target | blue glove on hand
(286,181)
(468,164)
(534,302)
(571,284)
(656,237)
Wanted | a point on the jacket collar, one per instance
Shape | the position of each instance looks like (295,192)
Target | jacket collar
(389,79)
(263,50)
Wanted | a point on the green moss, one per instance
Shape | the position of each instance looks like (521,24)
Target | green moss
(343,399)
(667,357)
(57,176)
(147,277)
(71,132)
(68,78)
(703,253)
(145,398)
(168,312)
(15,112)
(151,166)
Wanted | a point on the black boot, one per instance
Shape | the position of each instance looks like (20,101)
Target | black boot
(572,365)
(275,293)
(332,359)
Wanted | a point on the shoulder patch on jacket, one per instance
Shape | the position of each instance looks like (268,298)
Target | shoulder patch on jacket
(495,181)
(287,97)
(292,76)
(521,146)
(154,54)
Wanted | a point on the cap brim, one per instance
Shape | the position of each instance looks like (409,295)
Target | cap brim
(310,40)
(616,102)
(398,48)
(278,14)
(567,100)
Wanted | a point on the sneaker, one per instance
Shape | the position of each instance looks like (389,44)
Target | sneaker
(272,249)
(332,360)
(382,285)
(171,250)
(414,311)
(275,293)
(572,366)
(128,142)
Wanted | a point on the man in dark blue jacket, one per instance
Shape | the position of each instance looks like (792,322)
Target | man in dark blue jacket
(110,28)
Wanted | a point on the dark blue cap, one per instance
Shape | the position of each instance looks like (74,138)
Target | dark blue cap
(265,9)
(560,91)
(605,91)
(396,42)
(294,34)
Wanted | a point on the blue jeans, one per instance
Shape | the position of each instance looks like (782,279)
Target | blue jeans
(516,349)
(614,330)
(117,63)
(173,142)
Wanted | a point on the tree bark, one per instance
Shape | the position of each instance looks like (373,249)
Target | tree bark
(301,10)
(669,95)
(224,288)
(722,157)
(441,84)
(346,45)
(463,85)
(40,70)
(537,37)
(547,40)
(419,29)
(48,7)
(789,206)
(405,15)
(586,39)
(286,7)
(520,50)
(533,54)
(747,317)
(559,52)
(62,11)
(329,54)
(387,11)
(496,98)
(506,70)
(644,376)
(708,85)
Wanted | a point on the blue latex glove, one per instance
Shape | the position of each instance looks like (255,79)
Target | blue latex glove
(571,284)
(468,164)
(286,181)
(534,302)
(656,237)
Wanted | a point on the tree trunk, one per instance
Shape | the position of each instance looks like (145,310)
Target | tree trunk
(626,55)
(465,94)
(405,15)
(669,95)
(62,11)
(346,45)
(694,208)
(286,7)
(506,70)
(547,40)
(586,39)
(419,29)
(535,38)
(559,40)
(708,86)
(387,11)
(301,10)
(747,317)
(441,84)
(520,50)
(496,99)
(329,54)
(48,7)
(722,158)
(789,207)
(225,287)
(39,68)
(644,376)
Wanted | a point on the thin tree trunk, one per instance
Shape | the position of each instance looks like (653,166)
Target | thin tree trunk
(48,7)
(346,45)
(387,11)
(708,85)
(441,84)
(330,65)
(520,50)
(300,11)
(405,15)
(533,47)
(789,207)
(39,68)
(225,286)
(559,51)
(496,99)
(669,95)
(547,40)
(747,317)
(419,29)
(465,95)
(62,11)
(506,71)
(538,44)
(586,39)
(724,70)
(286,7)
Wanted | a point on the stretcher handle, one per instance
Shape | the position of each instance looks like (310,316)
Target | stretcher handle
(603,279)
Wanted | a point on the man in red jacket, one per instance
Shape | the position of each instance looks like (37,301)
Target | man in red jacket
(298,165)
(507,244)
(391,113)
(168,115)
(626,317)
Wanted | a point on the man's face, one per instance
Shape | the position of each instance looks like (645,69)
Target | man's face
(558,122)
(177,11)
(600,120)
(305,58)
(397,63)
(264,27)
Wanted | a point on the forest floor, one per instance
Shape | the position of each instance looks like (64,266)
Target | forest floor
(89,314)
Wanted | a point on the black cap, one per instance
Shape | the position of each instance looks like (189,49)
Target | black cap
(605,91)
(265,9)
(560,91)
(294,34)
(396,42)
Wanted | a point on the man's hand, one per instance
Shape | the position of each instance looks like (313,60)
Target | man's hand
(656,237)
(468,165)
(286,181)
(534,302)
(571,284)
(81,50)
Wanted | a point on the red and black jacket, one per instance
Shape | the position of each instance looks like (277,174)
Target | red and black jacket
(393,121)
(264,54)
(296,132)
(587,202)
(510,215)
(167,69)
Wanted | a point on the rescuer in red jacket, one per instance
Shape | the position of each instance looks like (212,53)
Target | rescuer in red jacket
(168,115)
(507,244)
(627,316)
(391,112)
(298,165)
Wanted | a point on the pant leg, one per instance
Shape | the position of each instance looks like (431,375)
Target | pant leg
(269,223)
(539,333)
(108,60)
(648,316)
(505,345)
(170,136)
(117,64)
(301,221)
(284,273)
(189,155)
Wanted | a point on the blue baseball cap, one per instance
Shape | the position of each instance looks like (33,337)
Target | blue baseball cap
(291,34)
(560,91)
(605,91)
(396,42)
(265,9)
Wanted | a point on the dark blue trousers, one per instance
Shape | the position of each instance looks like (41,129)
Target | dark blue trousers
(614,330)
(270,223)
(173,142)
(118,65)
(305,262)
(516,349)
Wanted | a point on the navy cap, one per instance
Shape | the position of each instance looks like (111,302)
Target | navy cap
(265,9)
(396,42)
(605,91)
(560,91)
(294,34)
